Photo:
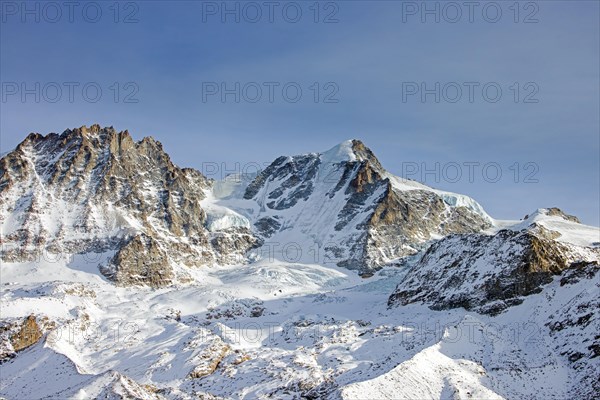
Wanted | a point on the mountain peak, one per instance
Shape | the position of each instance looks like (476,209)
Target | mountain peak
(342,152)
(350,151)
(99,136)
(93,137)
(96,133)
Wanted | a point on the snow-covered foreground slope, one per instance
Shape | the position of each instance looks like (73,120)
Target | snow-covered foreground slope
(275,330)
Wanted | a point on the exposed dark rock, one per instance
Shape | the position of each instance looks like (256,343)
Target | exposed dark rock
(28,335)
(267,226)
(579,270)
(18,335)
(558,212)
(487,273)
(140,262)
(232,244)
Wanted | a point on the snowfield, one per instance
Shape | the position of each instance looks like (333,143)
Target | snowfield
(278,330)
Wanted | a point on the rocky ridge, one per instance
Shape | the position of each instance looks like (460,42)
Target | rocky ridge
(489,273)
(95,190)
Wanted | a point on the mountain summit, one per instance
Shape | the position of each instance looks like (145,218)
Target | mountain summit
(359,215)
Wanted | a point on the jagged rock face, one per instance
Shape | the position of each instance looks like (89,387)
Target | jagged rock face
(97,190)
(208,358)
(488,273)
(231,244)
(141,260)
(19,335)
(28,334)
(554,211)
(345,203)
(296,177)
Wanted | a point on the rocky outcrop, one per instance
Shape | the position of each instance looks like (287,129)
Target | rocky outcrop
(19,335)
(96,190)
(122,387)
(140,261)
(209,357)
(488,273)
(112,385)
(252,308)
(232,244)
(554,211)
(28,335)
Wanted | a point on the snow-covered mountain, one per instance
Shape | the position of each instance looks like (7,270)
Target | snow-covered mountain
(344,207)
(489,273)
(322,277)
(96,191)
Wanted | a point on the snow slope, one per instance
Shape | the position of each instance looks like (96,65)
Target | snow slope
(284,330)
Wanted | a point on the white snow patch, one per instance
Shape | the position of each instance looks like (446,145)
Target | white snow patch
(341,153)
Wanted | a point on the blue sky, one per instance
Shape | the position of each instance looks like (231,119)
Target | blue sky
(374,51)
